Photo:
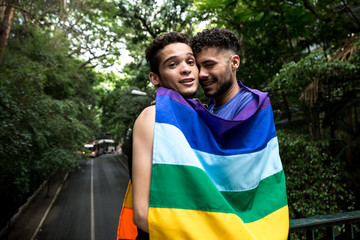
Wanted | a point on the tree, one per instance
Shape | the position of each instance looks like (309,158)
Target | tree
(7,13)
(90,26)
(119,107)
(144,20)
(45,113)
(276,32)
(328,97)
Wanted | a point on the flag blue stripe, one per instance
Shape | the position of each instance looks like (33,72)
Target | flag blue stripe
(250,136)
(223,170)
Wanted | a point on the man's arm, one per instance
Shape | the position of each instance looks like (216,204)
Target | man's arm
(143,135)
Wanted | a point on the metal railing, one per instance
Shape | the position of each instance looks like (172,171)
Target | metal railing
(328,223)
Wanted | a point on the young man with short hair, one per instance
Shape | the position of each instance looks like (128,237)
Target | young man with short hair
(173,66)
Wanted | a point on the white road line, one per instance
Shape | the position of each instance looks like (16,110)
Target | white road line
(92,202)
(48,209)
(122,163)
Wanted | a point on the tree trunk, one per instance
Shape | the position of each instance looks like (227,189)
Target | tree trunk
(286,104)
(5,26)
(283,20)
(315,131)
(2,9)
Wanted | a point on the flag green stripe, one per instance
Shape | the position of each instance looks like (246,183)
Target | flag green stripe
(171,187)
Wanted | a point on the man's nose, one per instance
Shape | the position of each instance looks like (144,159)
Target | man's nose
(203,73)
(185,69)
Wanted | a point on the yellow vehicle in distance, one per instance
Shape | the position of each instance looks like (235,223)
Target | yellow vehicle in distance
(89,149)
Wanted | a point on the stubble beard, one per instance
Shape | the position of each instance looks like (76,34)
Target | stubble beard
(225,86)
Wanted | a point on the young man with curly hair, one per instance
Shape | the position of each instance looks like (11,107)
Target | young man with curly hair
(217,55)
(252,177)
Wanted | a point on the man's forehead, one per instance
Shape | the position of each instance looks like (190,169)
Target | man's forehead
(212,55)
(174,50)
(214,51)
(174,56)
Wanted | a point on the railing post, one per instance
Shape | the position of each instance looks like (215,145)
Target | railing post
(349,231)
(310,234)
(289,236)
(330,233)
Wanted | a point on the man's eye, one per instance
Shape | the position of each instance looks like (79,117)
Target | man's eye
(209,65)
(191,62)
(171,65)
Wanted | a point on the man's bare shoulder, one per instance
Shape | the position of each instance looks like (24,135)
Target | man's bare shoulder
(146,116)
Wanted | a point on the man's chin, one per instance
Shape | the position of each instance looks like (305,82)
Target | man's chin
(188,94)
(209,94)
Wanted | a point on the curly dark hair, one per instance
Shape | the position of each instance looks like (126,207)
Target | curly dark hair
(152,52)
(220,38)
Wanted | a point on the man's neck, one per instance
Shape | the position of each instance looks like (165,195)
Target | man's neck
(227,96)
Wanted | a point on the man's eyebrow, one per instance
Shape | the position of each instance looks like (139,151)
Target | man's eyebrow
(169,59)
(208,61)
(175,56)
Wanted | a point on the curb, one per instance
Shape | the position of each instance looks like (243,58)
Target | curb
(22,208)
(49,208)
(119,156)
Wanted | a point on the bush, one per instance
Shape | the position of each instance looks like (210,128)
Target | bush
(316,182)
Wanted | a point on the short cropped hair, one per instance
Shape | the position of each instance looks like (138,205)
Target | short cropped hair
(219,38)
(152,52)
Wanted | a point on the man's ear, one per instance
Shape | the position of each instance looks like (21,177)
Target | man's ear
(235,62)
(154,78)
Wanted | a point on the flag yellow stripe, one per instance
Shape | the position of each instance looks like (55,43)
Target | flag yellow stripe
(176,224)
(128,196)
(274,226)
(179,224)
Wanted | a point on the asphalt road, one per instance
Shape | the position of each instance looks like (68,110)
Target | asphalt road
(90,202)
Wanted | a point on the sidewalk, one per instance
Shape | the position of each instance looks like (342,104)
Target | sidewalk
(123,160)
(29,221)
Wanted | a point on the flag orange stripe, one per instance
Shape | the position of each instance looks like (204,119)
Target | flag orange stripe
(127,229)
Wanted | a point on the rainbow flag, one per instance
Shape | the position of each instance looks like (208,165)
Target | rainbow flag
(214,178)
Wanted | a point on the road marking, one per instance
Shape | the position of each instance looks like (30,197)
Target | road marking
(122,163)
(92,201)
(48,209)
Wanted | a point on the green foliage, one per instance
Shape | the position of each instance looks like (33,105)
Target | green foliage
(314,67)
(138,75)
(317,183)
(329,96)
(89,26)
(45,113)
(120,108)
(277,32)
(145,20)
